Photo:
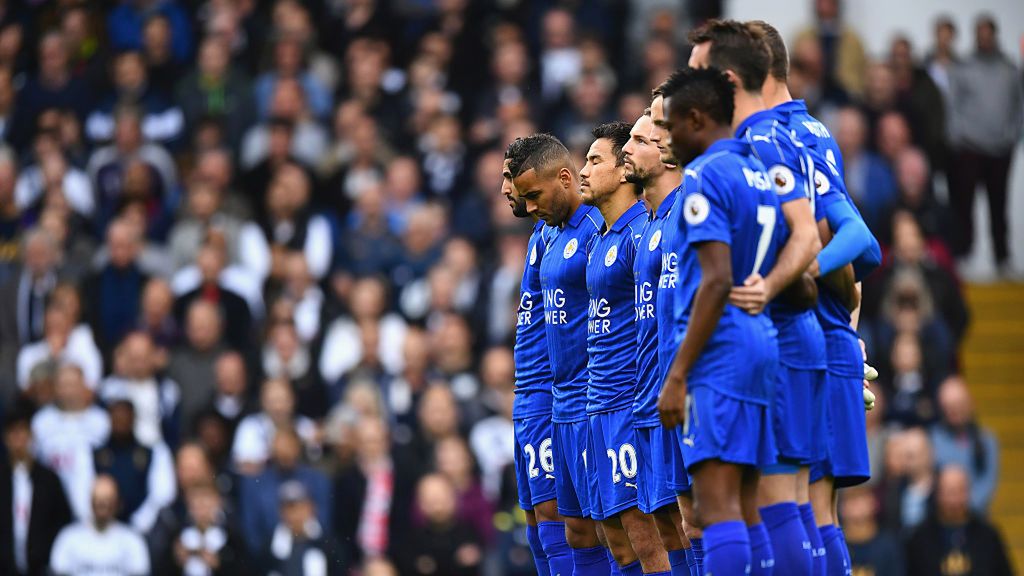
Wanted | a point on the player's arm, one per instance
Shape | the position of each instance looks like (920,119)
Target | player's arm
(851,240)
(793,260)
(708,304)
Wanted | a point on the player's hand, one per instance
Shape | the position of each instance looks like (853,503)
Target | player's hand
(752,297)
(814,269)
(870,375)
(672,402)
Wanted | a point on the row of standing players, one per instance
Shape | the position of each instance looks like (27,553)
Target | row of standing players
(688,372)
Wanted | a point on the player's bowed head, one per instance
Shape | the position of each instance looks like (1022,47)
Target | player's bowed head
(544,177)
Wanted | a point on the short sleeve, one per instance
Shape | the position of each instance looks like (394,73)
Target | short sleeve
(788,165)
(827,189)
(706,208)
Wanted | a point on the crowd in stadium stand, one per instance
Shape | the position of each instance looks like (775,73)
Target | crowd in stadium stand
(258,285)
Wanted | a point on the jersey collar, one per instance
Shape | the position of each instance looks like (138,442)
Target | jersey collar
(628,216)
(791,107)
(579,215)
(754,118)
(666,204)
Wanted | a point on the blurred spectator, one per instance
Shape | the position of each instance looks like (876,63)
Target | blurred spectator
(286,357)
(342,348)
(985,127)
(11,226)
(131,169)
(302,298)
(943,306)
(920,98)
(445,544)
(156,316)
(954,540)
(560,61)
(231,399)
(842,48)
(156,399)
(258,495)
(62,341)
(291,128)
(911,386)
(52,172)
(291,227)
(100,543)
(869,180)
(907,497)
(872,550)
(126,24)
(215,89)
(208,544)
(369,244)
(115,289)
(256,433)
(26,290)
(490,438)
(232,308)
(455,462)
(191,363)
(67,431)
(33,506)
(959,440)
(161,119)
(300,546)
(192,468)
(144,473)
(158,53)
(942,58)
(52,87)
(373,495)
(918,198)
(288,55)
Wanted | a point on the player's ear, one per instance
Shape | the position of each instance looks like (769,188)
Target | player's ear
(695,120)
(565,177)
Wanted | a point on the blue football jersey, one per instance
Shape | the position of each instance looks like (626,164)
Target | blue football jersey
(791,173)
(533,370)
(563,280)
(727,197)
(668,281)
(646,275)
(828,182)
(611,330)
(843,357)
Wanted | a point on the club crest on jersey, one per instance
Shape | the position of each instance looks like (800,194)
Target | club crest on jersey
(696,209)
(655,241)
(609,256)
(570,248)
(533,255)
(782,178)
(821,183)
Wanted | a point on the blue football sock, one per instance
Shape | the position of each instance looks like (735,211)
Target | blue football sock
(634,569)
(790,544)
(835,560)
(762,561)
(559,555)
(846,551)
(590,562)
(539,557)
(679,560)
(613,566)
(728,549)
(697,548)
(817,547)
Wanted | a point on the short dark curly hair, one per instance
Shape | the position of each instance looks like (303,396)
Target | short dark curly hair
(707,90)
(618,134)
(537,151)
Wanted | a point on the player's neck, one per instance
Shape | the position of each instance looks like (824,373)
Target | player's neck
(575,200)
(747,103)
(775,92)
(616,204)
(720,133)
(660,187)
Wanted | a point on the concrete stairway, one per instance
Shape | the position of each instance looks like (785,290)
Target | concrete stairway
(993,357)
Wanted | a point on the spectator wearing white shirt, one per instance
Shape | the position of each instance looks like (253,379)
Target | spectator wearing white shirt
(256,432)
(62,343)
(100,545)
(33,506)
(155,399)
(67,431)
(343,343)
(53,172)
